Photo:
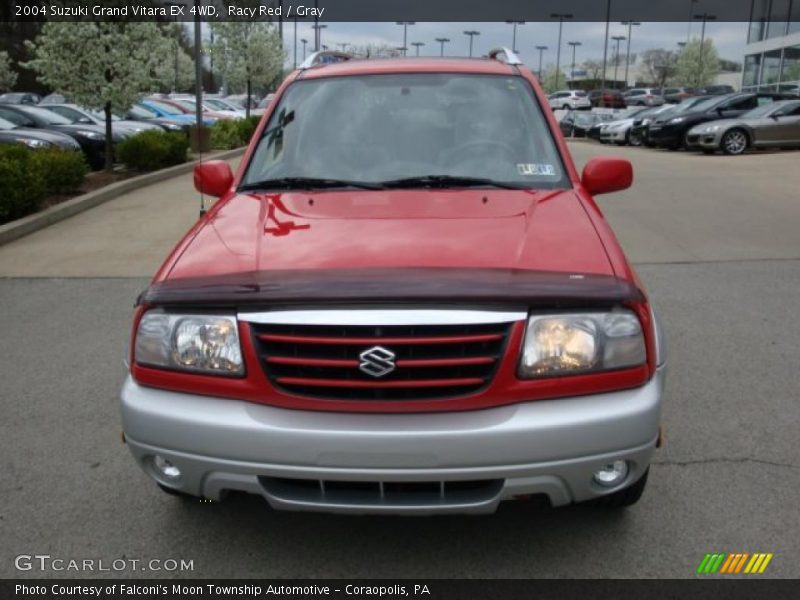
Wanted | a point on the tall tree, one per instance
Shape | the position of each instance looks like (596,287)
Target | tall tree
(175,72)
(657,66)
(247,54)
(104,65)
(697,65)
(8,77)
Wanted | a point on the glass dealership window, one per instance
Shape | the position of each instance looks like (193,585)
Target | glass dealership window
(777,18)
(772,67)
(791,63)
(751,65)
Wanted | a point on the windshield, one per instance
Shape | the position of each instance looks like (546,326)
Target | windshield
(380,128)
(166,108)
(98,116)
(7,124)
(188,104)
(708,103)
(140,112)
(48,116)
(220,104)
(761,111)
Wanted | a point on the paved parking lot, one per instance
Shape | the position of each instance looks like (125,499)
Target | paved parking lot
(715,239)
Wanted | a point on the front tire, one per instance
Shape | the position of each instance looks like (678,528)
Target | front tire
(625,497)
(734,142)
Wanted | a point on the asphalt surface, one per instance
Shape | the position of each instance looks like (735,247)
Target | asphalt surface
(715,241)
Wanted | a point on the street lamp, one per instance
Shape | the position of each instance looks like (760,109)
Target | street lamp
(442,41)
(631,25)
(417,45)
(405,25)
(574,47)
(689,20)
(605,53)
(560,17)
(318,27)
(401,49)
(514,36)
(342,45)
(618,39)
(471,33)
(541,49)
(681,45)
(304,42)
(705,17)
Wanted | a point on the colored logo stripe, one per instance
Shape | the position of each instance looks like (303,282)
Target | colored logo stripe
(737,562)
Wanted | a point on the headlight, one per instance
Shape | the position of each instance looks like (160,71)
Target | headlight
(200,343)
(171,126)
(646,121)
(711,128)
(34,143)
(677,120)
(92,135)
(565,344)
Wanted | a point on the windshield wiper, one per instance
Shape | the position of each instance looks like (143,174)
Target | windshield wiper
(300,183)
(443,181)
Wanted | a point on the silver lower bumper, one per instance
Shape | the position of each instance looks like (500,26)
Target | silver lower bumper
(296,459)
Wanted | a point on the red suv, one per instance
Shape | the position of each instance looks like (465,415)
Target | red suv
(404,301)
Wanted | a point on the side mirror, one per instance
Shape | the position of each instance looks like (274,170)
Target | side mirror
(606,174)
(213,177)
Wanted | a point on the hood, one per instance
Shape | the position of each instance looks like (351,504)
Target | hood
(499,229)
(60,139)
(723,123)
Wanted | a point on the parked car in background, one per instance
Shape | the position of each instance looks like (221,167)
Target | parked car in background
(11,133)
(716,90)
(262,105)
(676,95)
(577,123)
(167,110)
(641,124)
(187,105)
(80,115)
(607,98)
(671,131)
(92,138)
(569,100)
(221,105)
(20,98)
(241,100)
(643,97)
(775,125)
(139,113)
(789,88)
(618,129)
(54,98)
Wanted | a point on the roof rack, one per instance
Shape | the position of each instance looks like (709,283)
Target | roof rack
(324,57)
(511,57)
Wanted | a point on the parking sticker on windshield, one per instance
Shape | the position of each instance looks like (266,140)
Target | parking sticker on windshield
(536,169)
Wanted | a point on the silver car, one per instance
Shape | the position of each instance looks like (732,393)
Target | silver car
(774,125)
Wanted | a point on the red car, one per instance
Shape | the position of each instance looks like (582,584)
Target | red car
(405,301)
(607,99)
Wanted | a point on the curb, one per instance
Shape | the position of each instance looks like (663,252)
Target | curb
(27,225)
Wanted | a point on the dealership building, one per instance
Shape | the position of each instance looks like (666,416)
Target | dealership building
(772,54)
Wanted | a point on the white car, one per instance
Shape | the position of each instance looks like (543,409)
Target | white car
(569,100)
(618,131)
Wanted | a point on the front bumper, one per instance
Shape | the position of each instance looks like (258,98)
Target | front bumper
(706,140)
(664,135)
(614,135)
(336,462)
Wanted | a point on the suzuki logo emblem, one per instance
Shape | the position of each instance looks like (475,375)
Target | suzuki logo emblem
(377,361)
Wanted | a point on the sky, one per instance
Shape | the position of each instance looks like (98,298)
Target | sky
(729,38)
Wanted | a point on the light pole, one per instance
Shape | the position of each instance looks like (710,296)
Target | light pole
(318,27)
(514,35)
(417,45)
(681,45)
(605,53)
(560,17)
(631,25)
(471,33)
(705,17)
(342,45)
(442,41)
(689,20)
(618,39)
(405,25)
(574,47)
(304,42)
(541,49)
(402,49)
(295,42)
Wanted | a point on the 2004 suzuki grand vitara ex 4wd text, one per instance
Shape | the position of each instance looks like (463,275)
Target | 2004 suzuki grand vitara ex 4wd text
(405,301)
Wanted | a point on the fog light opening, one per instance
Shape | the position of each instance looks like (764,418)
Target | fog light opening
(165,468)
(611,474)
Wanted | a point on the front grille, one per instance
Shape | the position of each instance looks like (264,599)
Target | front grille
(423,361)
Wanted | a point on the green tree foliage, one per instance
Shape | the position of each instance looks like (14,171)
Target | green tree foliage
(102,65)
(697,66)
(657,66)
(175,71)
(247,54)
(8,77)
